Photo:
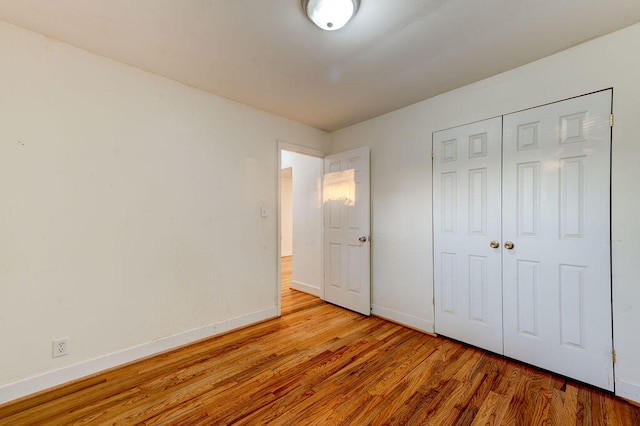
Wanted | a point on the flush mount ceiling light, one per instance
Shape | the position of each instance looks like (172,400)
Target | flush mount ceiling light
(330,15)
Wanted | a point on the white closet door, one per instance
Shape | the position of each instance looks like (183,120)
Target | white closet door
(466,219)
(557,278)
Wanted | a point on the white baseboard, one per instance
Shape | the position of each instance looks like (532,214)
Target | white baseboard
(628,390)
(307,288)
(50,379)
(286,253)
(402,318)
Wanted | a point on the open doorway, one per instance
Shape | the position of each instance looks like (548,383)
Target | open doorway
(332,263)
(301,219)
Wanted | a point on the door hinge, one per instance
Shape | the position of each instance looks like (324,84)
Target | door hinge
(613,356)
(433,301)
(611,120)
(431,152)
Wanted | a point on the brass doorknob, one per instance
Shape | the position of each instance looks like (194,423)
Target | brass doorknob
(509,245)
(494,244)
(362,239)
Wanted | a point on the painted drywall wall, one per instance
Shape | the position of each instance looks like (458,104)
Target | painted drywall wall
(400,143)
(308,221)
(131,211)
(286,215)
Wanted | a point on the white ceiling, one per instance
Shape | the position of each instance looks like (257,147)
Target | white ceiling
(265,53)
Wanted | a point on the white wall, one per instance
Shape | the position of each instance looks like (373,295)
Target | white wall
(401,179)
(130,217)
(308,220)
(286,215)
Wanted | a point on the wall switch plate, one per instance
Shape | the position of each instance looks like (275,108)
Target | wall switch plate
(60,347)
(263,211)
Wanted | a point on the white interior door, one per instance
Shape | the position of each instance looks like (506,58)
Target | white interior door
(557,277)
(467,233)
(347,230)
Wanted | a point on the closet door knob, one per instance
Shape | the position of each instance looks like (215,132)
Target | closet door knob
(509,245)
(494,244)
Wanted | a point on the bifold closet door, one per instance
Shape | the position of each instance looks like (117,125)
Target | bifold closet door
(556,214)
(466,227)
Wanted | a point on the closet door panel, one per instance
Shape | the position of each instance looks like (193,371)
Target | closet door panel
(557,277)
(466,191)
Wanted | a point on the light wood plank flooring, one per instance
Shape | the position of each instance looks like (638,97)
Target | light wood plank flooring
(322,365)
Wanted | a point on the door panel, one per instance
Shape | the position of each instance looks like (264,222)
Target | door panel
(347,219)
(467,270)
(557,278)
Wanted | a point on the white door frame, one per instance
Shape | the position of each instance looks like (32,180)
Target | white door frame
(299,149)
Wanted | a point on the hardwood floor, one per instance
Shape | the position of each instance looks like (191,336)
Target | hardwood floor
(319,364)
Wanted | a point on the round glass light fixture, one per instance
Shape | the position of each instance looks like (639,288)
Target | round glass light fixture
(330,15)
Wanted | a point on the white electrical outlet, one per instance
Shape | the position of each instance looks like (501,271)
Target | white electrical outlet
(60,347)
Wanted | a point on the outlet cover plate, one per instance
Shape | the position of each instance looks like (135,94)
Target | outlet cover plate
(60,347)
